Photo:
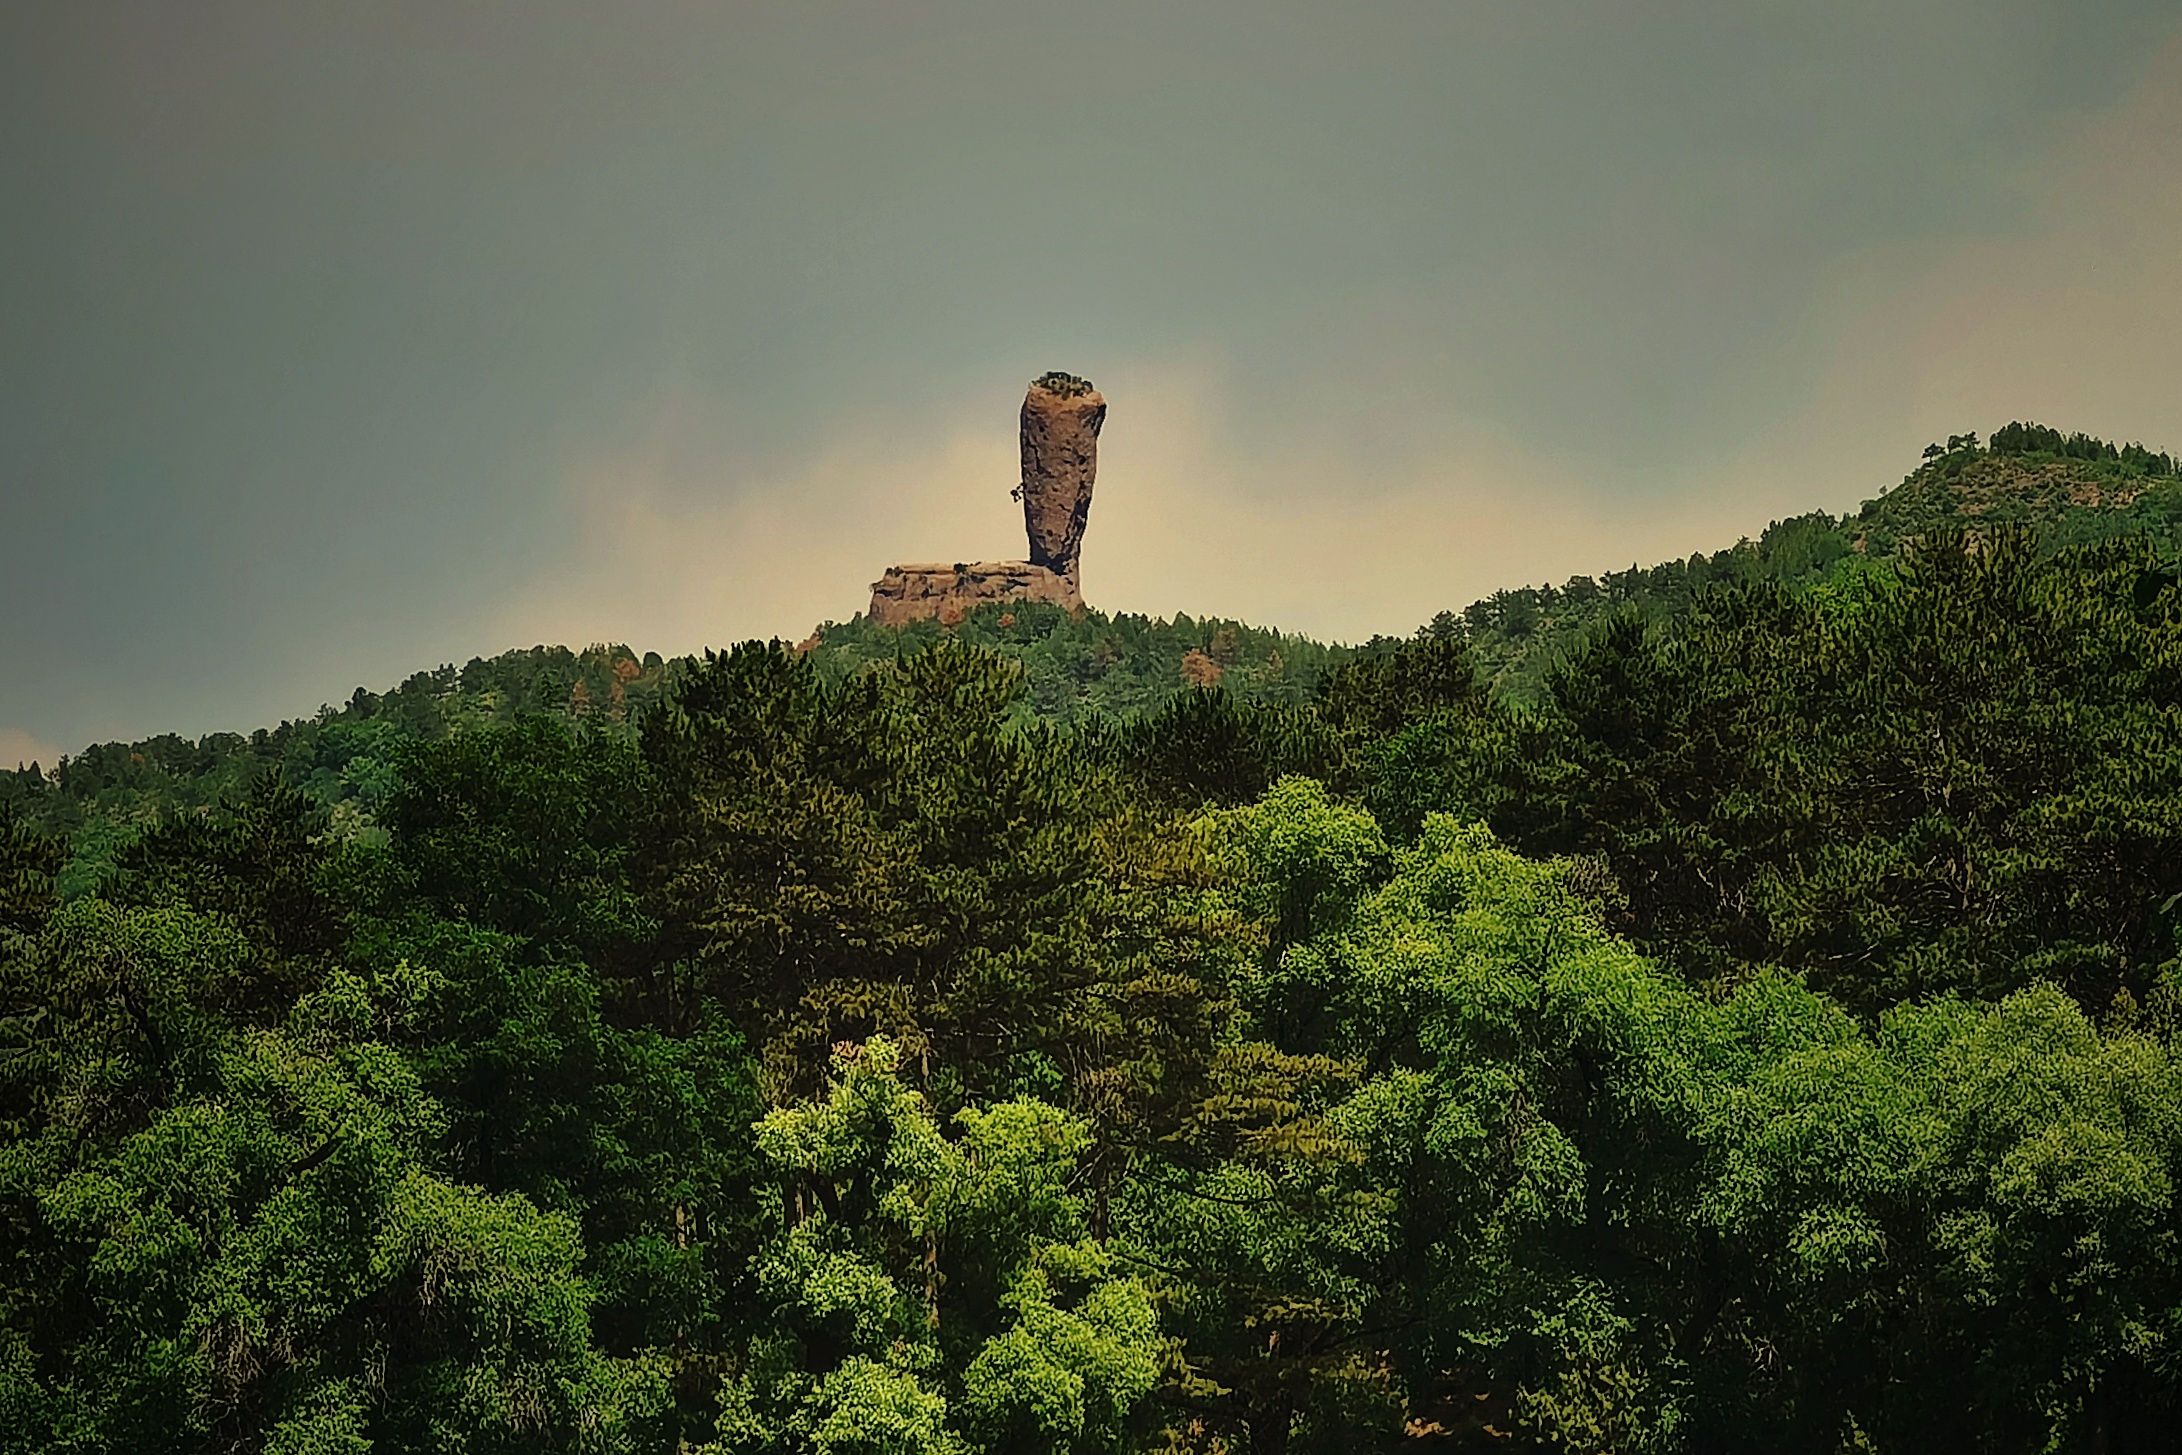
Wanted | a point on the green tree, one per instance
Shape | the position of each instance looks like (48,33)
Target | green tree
(1624,1215)
(893,855)
(227,1237)
(1961,775)
(933,1295)
(29,861)
(575,1069)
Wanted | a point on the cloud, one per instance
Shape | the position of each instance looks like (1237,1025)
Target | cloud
(18,748)
(669,560)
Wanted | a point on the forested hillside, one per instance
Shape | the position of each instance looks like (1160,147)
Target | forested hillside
(1761,1038)
(342,758)
(1075,668)
(2068,489)
(1764,1044)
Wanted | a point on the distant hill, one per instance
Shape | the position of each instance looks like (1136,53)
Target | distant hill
(341,756)
(2071,488)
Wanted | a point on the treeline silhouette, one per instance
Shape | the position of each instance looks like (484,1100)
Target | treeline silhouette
(2037,439)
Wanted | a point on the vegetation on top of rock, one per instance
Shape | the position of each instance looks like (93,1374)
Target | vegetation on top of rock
(1068,386)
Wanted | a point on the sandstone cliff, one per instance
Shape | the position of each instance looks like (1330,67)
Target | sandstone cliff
(951,592)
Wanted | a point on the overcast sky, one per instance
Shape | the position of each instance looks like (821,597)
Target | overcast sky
(338,341)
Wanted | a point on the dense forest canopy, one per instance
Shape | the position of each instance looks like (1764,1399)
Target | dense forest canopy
(343,758)
(1759,1034)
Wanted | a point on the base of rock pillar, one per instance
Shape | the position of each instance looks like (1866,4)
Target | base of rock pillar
(951,592)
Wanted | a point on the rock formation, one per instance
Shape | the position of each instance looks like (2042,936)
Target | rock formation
(1061,419)
(951,592)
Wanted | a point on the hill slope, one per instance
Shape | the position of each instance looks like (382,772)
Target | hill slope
(1096,664)
(340,757)
(2071,488)
(343,757)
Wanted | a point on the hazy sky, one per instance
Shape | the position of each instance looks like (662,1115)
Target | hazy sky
(338,341)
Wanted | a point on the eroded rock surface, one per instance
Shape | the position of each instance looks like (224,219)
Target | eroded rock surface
(951,592)
(1061,419)
(1062,415)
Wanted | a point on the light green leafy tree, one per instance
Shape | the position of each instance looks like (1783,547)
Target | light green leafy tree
(1633,1216)
(935,1295)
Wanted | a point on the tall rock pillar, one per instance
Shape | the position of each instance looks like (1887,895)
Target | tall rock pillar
(1061,419)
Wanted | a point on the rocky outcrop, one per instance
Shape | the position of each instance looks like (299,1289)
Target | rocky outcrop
(951,592)
(1062,415)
